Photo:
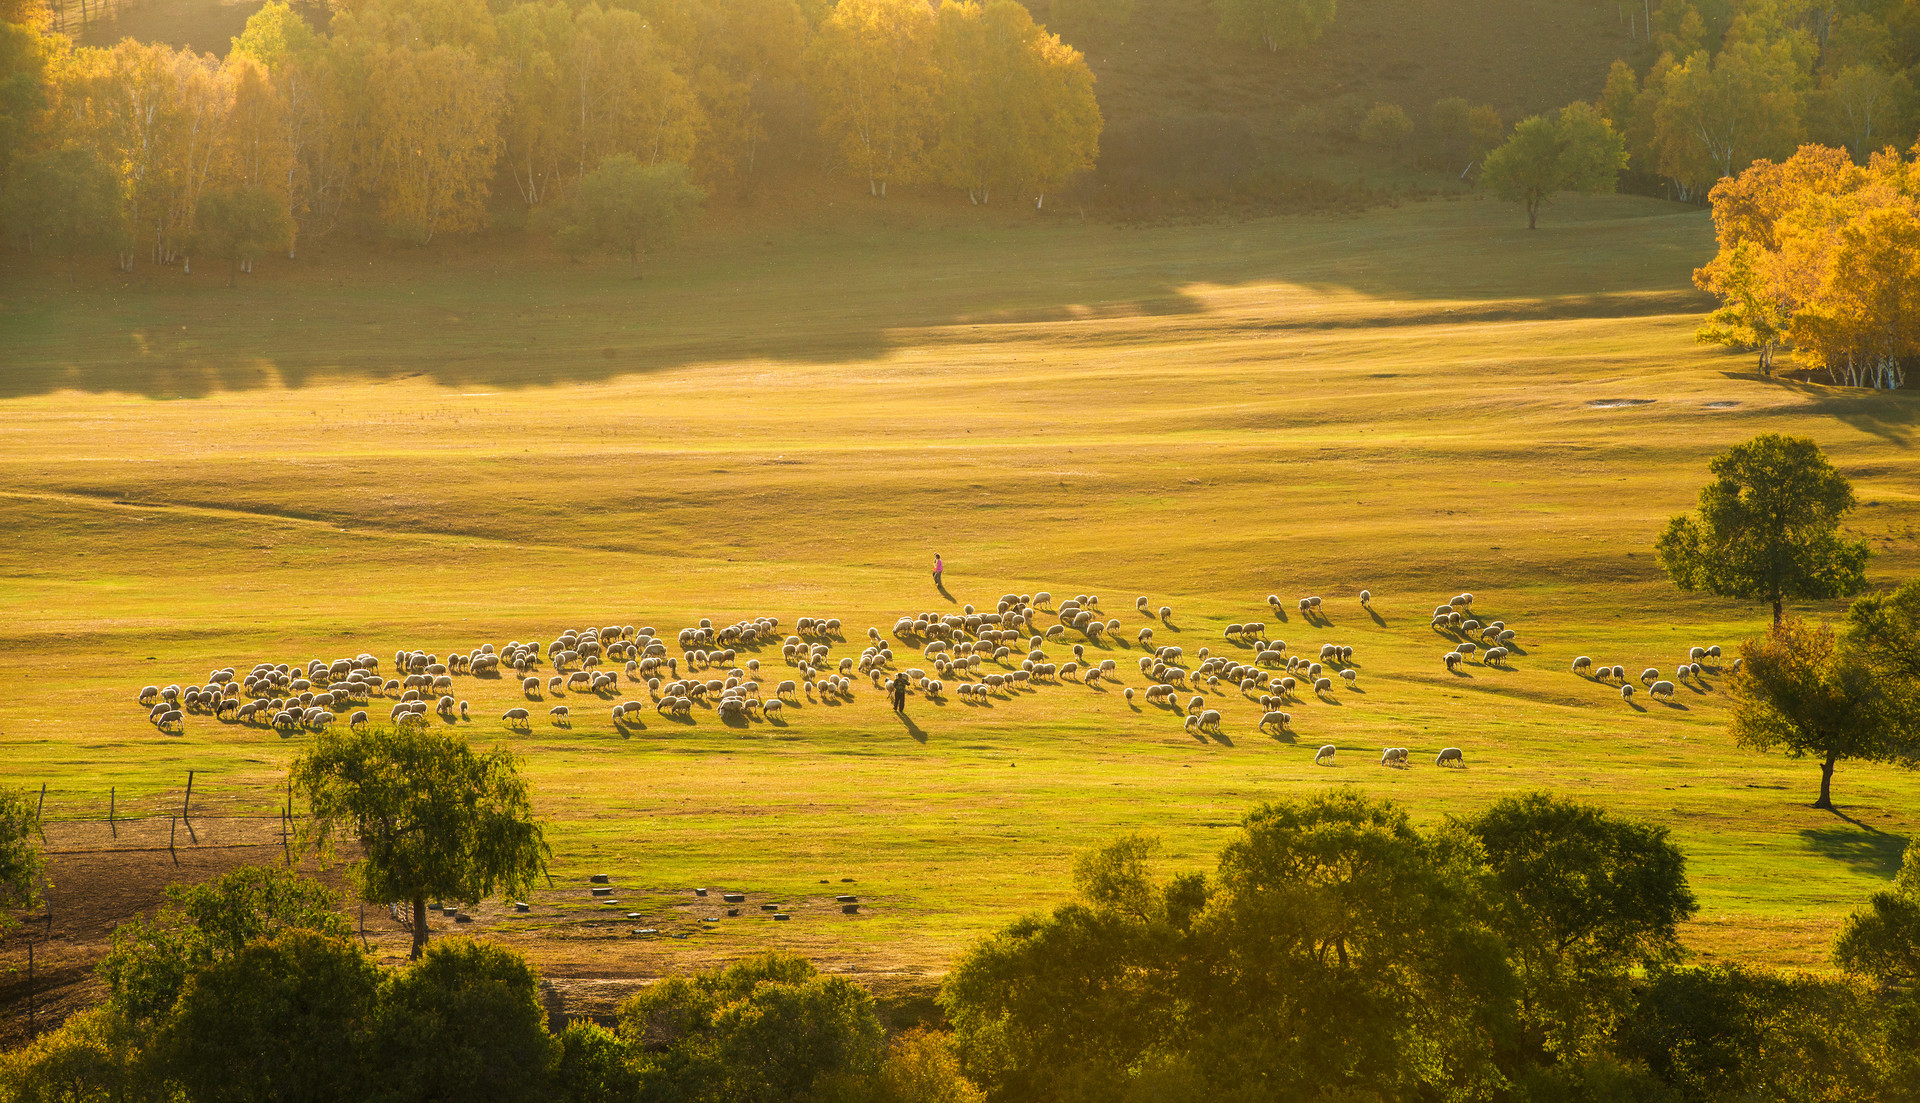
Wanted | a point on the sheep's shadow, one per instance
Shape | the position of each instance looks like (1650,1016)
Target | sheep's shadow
(1326,700)
(1199,736)
(1221,738)
(1459,673)
(1282,735)
(1635,705)
(1515,649)
(1702,689)
(1279,614)
(1673,704)
(1357,689)
(1378,620)
(684,719)
(775,721)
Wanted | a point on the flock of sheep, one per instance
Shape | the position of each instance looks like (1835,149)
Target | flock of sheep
(983,654)
(977,655)
(1657,687)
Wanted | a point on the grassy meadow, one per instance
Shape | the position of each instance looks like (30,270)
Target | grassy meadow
(452,447)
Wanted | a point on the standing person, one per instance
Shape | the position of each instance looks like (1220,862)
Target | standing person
(900,692)
(937,568)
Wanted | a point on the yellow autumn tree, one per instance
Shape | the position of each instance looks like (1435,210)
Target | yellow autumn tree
(582,86)
(1015,104)
(871,71)
(438,112)
(299,69)
(1822,256)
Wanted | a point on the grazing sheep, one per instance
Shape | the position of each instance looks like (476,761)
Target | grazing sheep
(1736,665)
(1322,685)
(1714,651)
(1210,720)
(1349,675)
(1276,720)
(1619,673)
(771,707)
(1196,704)
(516,717)
(1626,692)
(1449,755)
(1166,612)
(1129,694)
(1366,597)
(1661,689)
(1649,675)
(357,721)
(561,715)
(1324,754)
(1583,665)
(1452,659)
(1695,654)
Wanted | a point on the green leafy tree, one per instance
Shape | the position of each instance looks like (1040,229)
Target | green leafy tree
(22,865)
(1883,940)
(595,1066)
(1276,24)
(94,1057)
(1386,126)
(205,924)
(433,818)
(1768,528)
(1884,630)
(465,1022)
(627,207)
(1576,151)
(66,203)
(1798,691)
(1581,898)
(1728,1032)
(237,225)
(286,1018)
(23,88)
(763,1030)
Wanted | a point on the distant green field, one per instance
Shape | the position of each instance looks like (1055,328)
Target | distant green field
(440,450)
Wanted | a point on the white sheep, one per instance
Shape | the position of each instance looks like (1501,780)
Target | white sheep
(516,717)
(1649,675)
(1350,675)
(1661,689)
(1210,720)
(1366,597)
(1583,665)
(1322,685)
(1449,755)
(1324,754)
(1626,692)
(1276,720)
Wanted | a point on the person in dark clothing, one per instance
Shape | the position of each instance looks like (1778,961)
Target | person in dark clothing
(899,693)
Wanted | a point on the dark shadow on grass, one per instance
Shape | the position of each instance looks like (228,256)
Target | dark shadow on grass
(1673,704)
(940,586)
(1221,738)
(1459,673)
(1867,849)
(1378,620)
(913,729)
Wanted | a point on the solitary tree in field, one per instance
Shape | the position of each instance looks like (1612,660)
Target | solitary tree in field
(239,224)
(627,207)
(1574,151)
(1798,690)
(21,863)
(434,819)
(1768,528)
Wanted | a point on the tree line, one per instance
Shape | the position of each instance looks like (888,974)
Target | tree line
(418,121)
(1720,84)
(1335,950)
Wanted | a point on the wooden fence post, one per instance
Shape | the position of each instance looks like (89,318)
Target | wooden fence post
(113,794)
(173,828)
(38,821)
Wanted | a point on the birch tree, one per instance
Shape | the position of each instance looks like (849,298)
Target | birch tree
(871,70)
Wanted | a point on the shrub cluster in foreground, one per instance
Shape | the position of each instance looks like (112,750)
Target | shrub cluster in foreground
(1336,952)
